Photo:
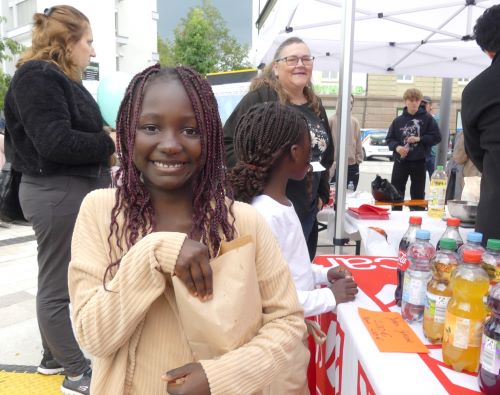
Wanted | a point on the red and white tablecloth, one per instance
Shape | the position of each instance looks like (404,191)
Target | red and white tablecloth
(350,363)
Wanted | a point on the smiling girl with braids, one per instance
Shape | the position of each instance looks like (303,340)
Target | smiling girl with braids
(272,145)
(168,217)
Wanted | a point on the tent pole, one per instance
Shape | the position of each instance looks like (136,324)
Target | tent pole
(344,117)
(444,120)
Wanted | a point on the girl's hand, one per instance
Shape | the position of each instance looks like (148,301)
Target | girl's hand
(188,379)
(193,269)
(338,273)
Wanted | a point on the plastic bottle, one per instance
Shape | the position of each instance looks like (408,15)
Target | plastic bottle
(417,276)
(350,187)
(452,232)
(437,193)
(438,289)
(491,260)
(465,314)
(489,377)
(473,242)
(331,197)
(408,238)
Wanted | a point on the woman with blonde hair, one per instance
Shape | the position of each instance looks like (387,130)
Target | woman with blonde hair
(54,135)
(287,79)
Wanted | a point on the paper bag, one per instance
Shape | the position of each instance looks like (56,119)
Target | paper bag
(234,315)
(472,187)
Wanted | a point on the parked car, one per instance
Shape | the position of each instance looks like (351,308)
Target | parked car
(374,144)
(366,132)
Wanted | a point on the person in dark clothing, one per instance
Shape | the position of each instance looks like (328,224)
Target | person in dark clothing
(410,136)
(430,159)
(288,80)
(54,136)
(481,123)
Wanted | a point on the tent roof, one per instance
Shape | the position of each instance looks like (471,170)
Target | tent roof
(425,37)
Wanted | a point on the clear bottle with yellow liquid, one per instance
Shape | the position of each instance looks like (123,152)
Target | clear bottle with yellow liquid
(437,193)
(465,314)
(438,290)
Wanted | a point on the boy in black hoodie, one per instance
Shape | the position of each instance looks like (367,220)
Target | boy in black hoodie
(410,136)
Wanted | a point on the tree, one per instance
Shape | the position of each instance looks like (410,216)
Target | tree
(165,52)
(8,47)
(202,41)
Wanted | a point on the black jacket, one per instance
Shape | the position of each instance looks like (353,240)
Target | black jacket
(296,190)
(481,123)
(53,124)
(421,124)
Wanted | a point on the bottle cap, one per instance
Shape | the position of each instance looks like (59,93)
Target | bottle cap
(448,244)
(423,234)
(493,244)
(414,220)
(439,168)
(472,256)
(475,237)
(453,222)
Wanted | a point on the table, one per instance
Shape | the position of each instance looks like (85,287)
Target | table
(407,203)
(375,244)
(349,363)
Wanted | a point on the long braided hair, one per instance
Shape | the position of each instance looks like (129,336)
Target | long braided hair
(133,201)
(264,135)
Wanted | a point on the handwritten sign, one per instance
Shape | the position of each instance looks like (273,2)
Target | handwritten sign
(390,332)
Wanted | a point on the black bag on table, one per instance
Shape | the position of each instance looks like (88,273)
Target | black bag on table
(10,208)
(384,191)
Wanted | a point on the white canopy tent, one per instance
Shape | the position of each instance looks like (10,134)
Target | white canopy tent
(424,37)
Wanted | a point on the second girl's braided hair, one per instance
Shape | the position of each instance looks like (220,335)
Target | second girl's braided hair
(264,135)
(133,201)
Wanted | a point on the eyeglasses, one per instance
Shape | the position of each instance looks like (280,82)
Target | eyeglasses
(307,60)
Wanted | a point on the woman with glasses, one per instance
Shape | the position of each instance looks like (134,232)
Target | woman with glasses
(288,80)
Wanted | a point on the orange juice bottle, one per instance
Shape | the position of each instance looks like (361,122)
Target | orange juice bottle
(466,313)
(438,290)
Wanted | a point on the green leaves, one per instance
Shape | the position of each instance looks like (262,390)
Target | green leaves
(202,41)
(8,48)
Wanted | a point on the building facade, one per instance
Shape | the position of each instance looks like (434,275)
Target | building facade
(381,99)
(125,32)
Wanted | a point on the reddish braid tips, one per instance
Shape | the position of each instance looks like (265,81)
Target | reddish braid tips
(210,190)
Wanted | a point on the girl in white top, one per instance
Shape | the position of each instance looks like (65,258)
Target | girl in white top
(272,145)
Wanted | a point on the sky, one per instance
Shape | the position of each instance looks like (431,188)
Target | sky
(236,13)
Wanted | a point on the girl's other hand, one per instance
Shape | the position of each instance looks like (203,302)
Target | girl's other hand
(187,379)
(338,273)
(193,269)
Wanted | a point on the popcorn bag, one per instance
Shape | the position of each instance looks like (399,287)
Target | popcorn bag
(221,324)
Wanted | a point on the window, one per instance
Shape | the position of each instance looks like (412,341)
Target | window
(329,75)
(25,11)
(155,57)
(463,81)
(405,78)
(399,111)
(155,15)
